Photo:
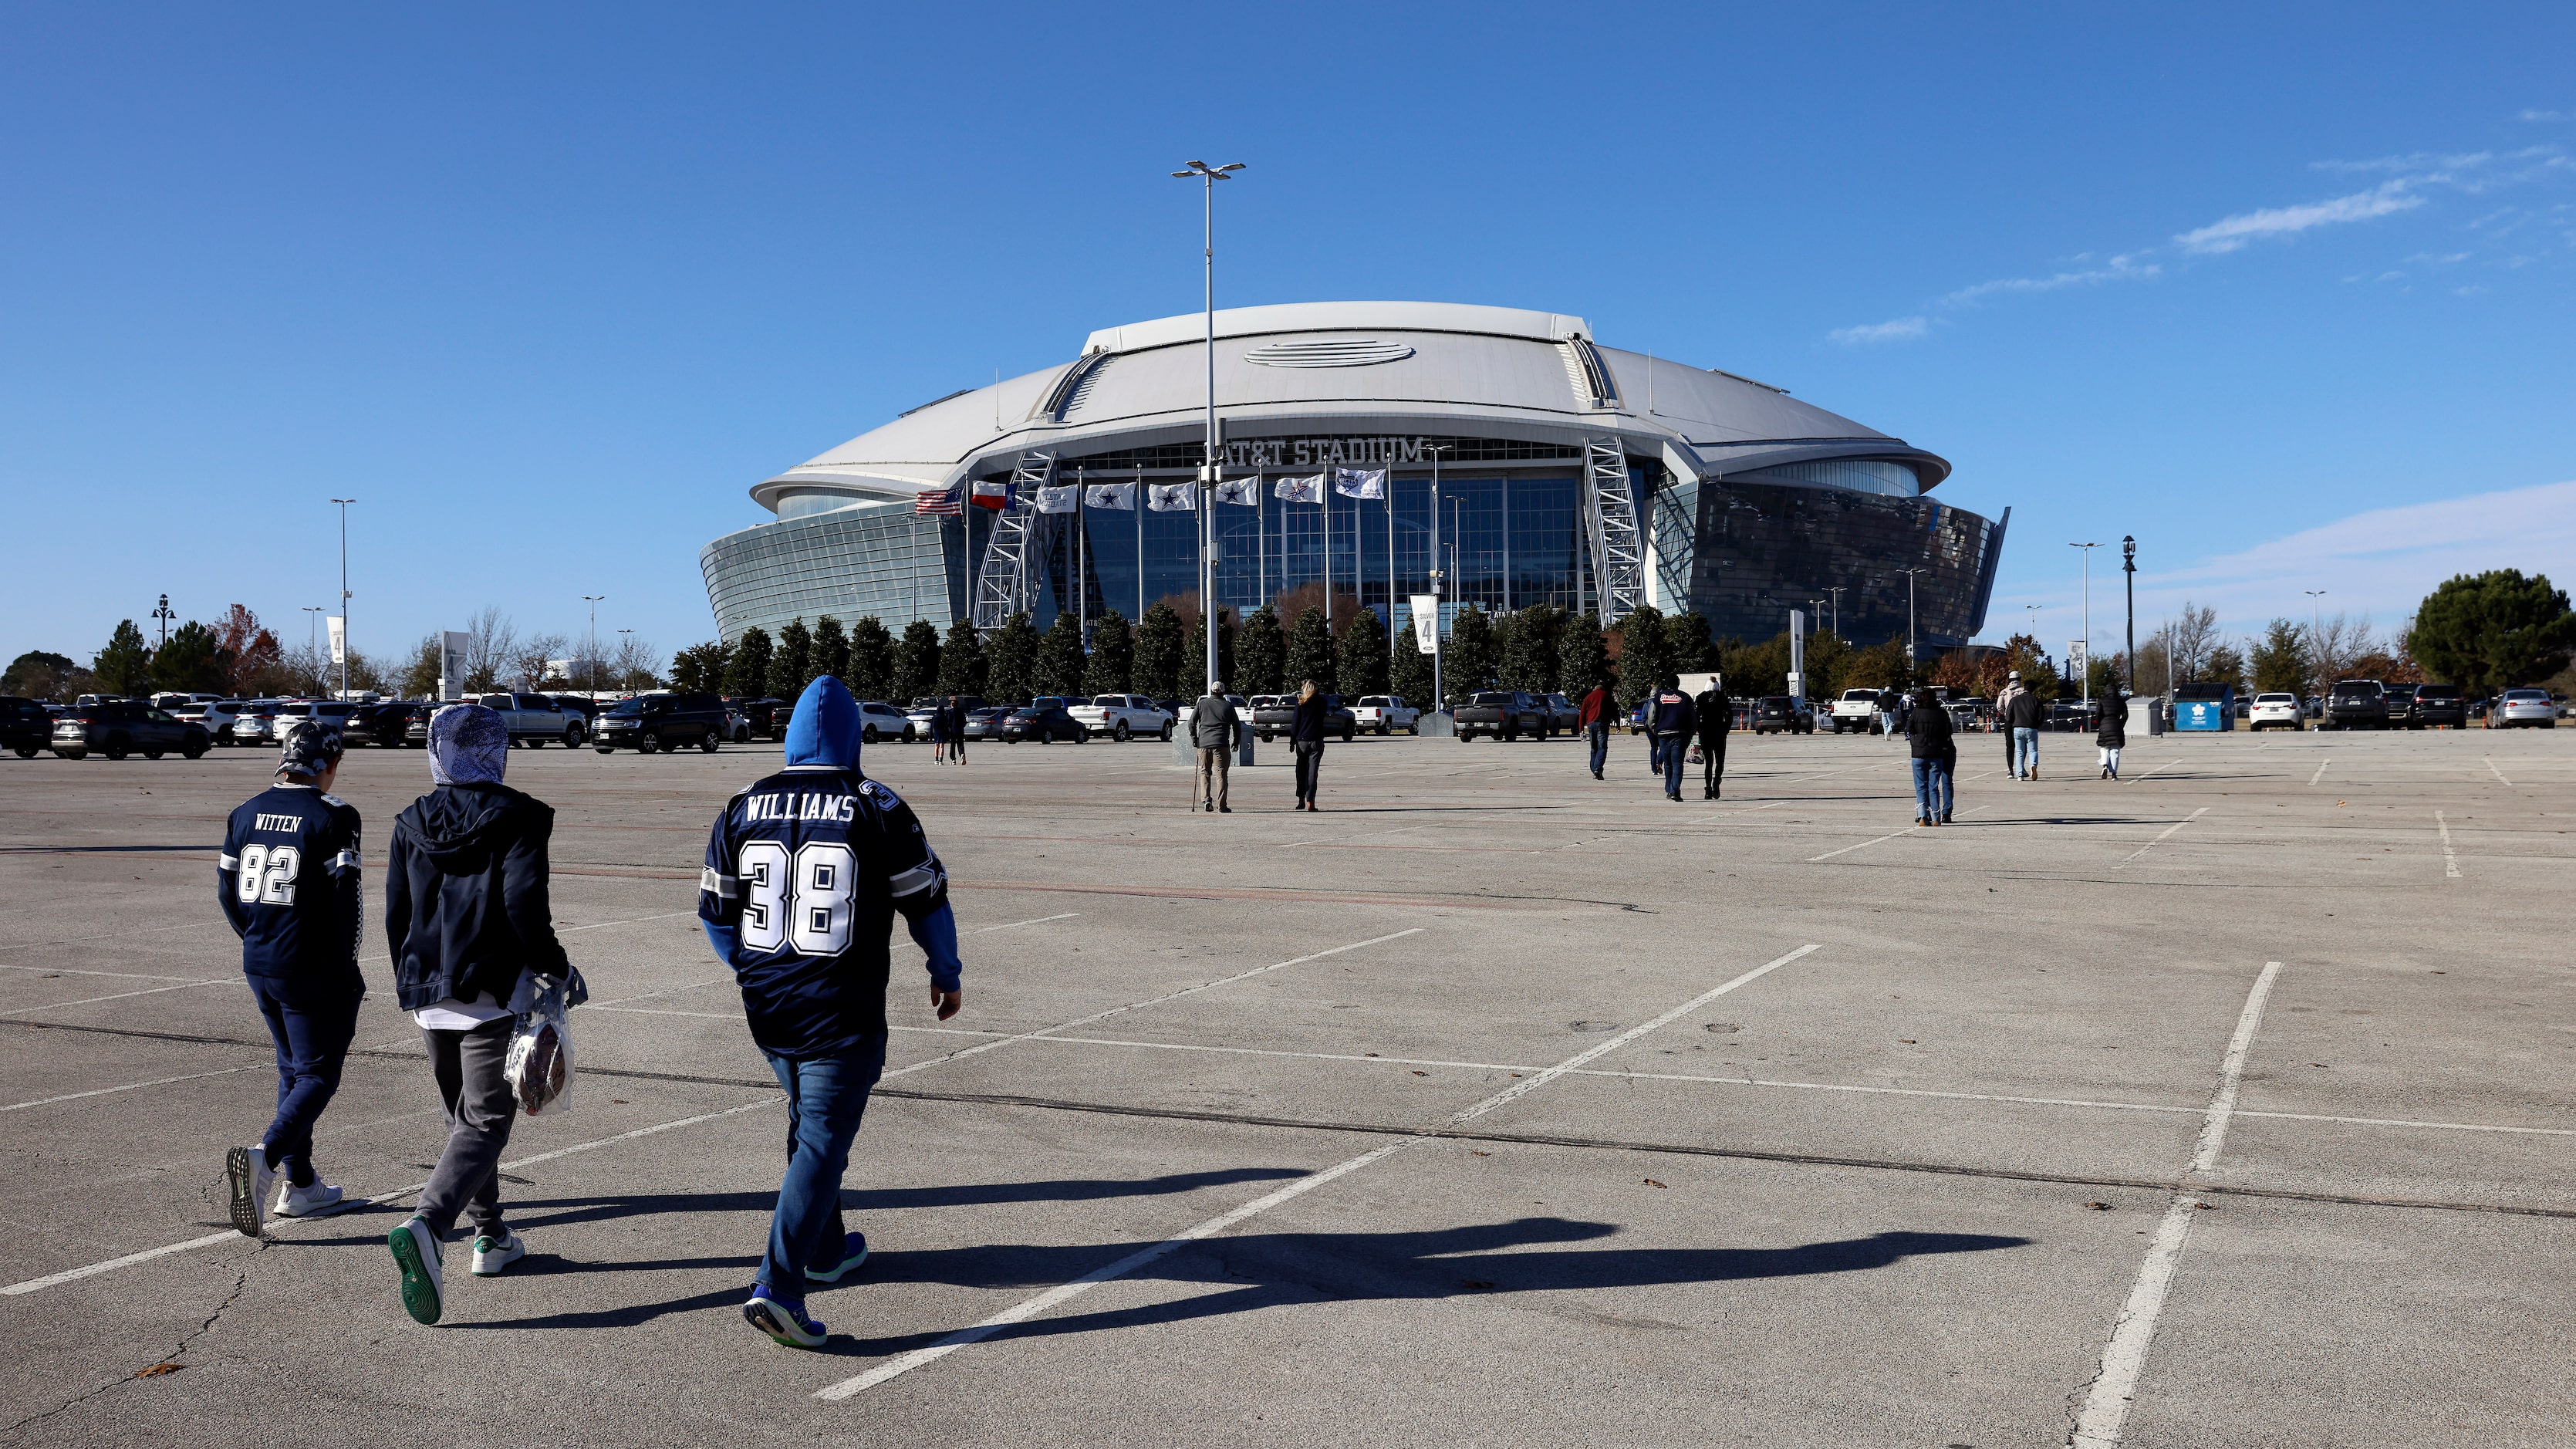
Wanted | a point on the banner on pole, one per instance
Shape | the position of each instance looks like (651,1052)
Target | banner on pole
(1360,482)
(1121,496)
(1301,490)
(1172,497)
(1426,622)
(1246,491)
(451,664)
(1057,500)
(339,639)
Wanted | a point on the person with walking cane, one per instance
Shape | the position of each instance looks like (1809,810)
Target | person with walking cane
(1214,729)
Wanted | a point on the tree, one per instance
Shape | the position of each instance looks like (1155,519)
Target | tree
(2281,662)
(1011,667)
(638,665)
(1687,644)
(963,665)
(2225,665)
(1409,674)
(2038,675)
(1756,670)
(420,676)
(1529,644)
(1582,658)
(2189,638)
(1112,669)
(1829,662)
(1470,659)
(791,665)
(870,670)
(490,641)
(1310,653)
(1061,658)
(1194,654)
(2337,645)
(1158,653)
(832,653)
(916,662)
(1362,666)
(747,664)
(2102,675)
(700,668)
(532,662)
(125,665)
(2496,631)
(191,662)
(260,670)
(37,674)
(1263,650)
(1645,654)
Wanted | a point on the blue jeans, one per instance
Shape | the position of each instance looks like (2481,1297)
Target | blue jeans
(1931,789)
(1600,746)
(1676,750)
(825,1096)
(311,1030)
(2025,751)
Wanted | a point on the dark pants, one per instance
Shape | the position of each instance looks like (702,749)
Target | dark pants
(1712,764)
(312,1031)
(480,1108)
(825,1097)
(1310,763)
(1600,734)
(1676,750)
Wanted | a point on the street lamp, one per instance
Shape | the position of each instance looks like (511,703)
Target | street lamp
(1437,573)
(1837,592)
(2086,549)
(1909,622)
(626,637)
(344,593)
(2316,637)
(1209,176)
(593,651)
(312,645)
(163,614)
(2129,566)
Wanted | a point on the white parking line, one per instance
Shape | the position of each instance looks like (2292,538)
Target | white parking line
(2159,840)
(2491,766)
(120,996)
(2450,859)
(2167,765)
(1846,850)
(128,1087)
(906,1362)
(1033,921)
(2321,769)
(2106,1407)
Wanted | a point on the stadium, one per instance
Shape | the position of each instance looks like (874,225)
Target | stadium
(1568,473)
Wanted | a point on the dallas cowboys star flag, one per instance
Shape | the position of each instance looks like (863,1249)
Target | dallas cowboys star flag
(1172,497)
(1121,496)
(1246,491)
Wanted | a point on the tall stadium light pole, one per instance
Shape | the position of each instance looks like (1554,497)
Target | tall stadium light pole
(2086,550)
(1911,670)
(2129,567)
(1208,177)
(593,601)
(1437,573)
(344,593)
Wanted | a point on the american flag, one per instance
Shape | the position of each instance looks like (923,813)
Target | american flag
(943,503)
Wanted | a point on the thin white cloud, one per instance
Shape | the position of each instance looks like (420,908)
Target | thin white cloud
(2124,268)
(2532,115)
(2232,233)
(1901,329)
(2411,161)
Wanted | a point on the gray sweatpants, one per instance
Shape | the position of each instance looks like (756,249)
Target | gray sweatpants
(480,1108)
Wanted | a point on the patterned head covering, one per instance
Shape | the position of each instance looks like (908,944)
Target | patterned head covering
(468,745)
(311,748)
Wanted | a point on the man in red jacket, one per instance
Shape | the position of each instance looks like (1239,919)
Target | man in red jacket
(1596,711)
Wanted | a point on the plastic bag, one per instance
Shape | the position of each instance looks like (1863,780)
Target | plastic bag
(539,1064)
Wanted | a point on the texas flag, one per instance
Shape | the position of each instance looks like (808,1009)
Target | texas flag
(993,493)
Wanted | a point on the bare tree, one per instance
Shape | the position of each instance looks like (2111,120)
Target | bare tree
(2190,637)
(636,664)
(491,643)
(2341,640)
(530,657)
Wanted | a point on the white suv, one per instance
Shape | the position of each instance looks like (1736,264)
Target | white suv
(2274,712)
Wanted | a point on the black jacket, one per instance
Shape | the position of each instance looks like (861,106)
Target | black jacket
(1715,715)
(2025,712)
(1306,726)
(1927,732)
(2114,733)
(465,895)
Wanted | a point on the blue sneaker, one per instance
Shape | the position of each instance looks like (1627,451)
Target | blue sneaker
(854,1251)
(782,1320)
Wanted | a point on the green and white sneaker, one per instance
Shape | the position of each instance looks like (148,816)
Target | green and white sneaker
(417,1249)
(854,1251)
(248,1175)
(492,1254)
(786,1322)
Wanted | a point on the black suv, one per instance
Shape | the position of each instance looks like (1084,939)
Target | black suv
(2439,704)
(119,729)
(2356,704)
(1778,714)
(765,716)
(2401,705)
(24,726)
(652,722)
(380,725)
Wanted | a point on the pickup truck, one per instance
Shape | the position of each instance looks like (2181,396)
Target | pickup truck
(1856,710)
(535,720)
(1273,714)
(1503,714)
(1122,717)
(1386,713)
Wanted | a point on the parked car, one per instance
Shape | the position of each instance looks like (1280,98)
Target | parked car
(1122,717)
(25,726)
(1276,717)
(1779,714)
(2356,704)
(2401,705)
(1386,713)
(377,724)
(1045,721)
(120,728)
(1183,711)
(1562,713)
(650,722)
(173,703)
(535,720)
(216,714)
(2274,712)
(2439,706)
(580,704)
(2314,706)
(881,721)
(253,723)
(762,717)
(985,722)
(2522,709)
(1501,714)
(1856,710)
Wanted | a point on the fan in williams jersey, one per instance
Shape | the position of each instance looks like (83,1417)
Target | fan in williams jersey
(288,882)
(805,872)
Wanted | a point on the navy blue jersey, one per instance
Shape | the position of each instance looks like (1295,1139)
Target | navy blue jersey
(288,880)
(806,870)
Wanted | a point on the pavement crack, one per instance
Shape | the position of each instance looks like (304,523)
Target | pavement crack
(166,1364)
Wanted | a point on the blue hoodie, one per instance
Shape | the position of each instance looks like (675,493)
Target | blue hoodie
(824,730)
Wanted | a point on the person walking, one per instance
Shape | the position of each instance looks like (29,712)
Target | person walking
(805,872)
(956,730)
(1715,714)
(1669,725)
(2022,715)
(2114,731)
(471,930)
(1306,739)
(939,733)
(287,879)
(1598,709)
(1215,729)
(1929,746)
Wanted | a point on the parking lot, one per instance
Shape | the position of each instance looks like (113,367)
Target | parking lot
(2228,1104)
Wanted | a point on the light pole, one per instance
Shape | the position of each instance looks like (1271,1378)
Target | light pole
(1910,670)
(2086,550)
(312,643)
(1837,592)
(625,638)
(344,593)
(1209,176)
(1437,573)
(164,616)
(2316,637)
(2129,566)
(593,651)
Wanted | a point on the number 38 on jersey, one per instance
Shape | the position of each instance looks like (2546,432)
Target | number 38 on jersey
(800,899)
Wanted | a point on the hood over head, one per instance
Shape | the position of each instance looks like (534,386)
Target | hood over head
(824,732)
(468,745)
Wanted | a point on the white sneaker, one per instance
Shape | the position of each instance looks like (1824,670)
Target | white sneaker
(307,1202)
(417,1250)
(247,1173)
(492,1254)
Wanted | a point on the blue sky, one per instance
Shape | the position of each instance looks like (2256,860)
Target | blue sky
(2286,292)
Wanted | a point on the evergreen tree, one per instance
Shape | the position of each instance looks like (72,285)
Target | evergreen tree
(1310,654)
(1113,656)
(698,669)
(1264,652)
(1194,656)
(832,653)
(1582,658)
(2280,658)
(1470,660)
(36,674)
(125,665)
(1645,654)
(1409,674)
(1158,654)
(747,664)
(1529,648)
(1687,644)
(2499,630)
(1828,662)
(191,662)
(1060,659)
(1755,670)
(2226,666)
(1011,661)
(916,662)
(1362,666)
(962,666)
(871,672)
(791,665)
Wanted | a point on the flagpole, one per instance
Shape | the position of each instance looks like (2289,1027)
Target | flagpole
(1081,582)
(1261,541)
(1390,556)
(1330,476)
(1136,502)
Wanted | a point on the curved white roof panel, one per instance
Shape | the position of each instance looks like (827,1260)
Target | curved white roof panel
(1346,367)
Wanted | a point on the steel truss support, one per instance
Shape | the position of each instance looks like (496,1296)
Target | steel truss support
(1610,526)
(1007,581)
